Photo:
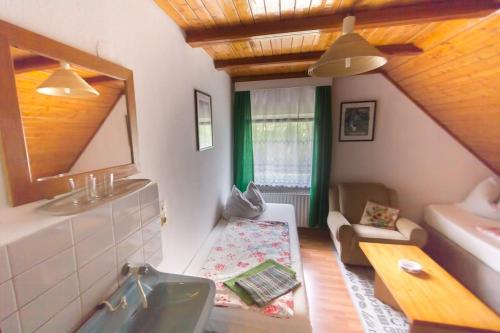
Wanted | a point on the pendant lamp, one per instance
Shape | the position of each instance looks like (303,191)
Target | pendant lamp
(64,82)
(349,55)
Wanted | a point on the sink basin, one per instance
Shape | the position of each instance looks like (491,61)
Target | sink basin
(176,303)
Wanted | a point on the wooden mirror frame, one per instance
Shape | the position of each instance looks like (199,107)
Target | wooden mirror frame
(20,187)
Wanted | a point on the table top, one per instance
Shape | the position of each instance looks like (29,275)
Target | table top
(432,297)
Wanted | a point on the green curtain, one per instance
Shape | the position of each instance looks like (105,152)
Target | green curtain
(321,160)
(242,140)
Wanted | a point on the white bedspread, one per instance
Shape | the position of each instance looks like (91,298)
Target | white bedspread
(460,227)
(224,320)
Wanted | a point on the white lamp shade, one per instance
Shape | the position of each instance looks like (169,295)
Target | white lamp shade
(350,54)
(66,83)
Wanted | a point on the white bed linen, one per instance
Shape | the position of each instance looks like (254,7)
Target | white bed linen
(459,226)
(224,320)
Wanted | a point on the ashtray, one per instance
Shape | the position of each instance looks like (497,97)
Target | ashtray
(410,266)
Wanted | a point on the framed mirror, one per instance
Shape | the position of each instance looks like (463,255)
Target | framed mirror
(66,113)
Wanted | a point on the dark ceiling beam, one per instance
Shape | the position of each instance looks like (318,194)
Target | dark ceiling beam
(263,77)
(308,57)
(100,79)
(39,63)
(365,19)
(35,63)
(277,76)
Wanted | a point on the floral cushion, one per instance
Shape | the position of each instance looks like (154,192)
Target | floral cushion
(379,216)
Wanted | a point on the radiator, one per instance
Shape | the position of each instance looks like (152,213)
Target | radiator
(299,200)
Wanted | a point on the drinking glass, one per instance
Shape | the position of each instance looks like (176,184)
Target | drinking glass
(90,188)
(72,186)
(109,184)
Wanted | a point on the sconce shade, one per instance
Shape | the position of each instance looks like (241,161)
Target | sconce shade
(350,54)
(66,83)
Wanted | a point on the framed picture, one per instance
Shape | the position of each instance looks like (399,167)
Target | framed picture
(203,103)
(357,121)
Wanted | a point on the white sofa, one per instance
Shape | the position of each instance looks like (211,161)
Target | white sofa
(467,253)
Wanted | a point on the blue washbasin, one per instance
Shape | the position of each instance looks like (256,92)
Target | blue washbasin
(176,303)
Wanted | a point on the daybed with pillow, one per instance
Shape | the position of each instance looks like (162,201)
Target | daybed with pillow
(347,204)
(219,258)
(462,239)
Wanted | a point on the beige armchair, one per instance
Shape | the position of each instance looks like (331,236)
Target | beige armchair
(347,203)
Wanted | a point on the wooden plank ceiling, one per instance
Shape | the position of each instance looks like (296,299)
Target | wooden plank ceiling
(443,54)
(57,129)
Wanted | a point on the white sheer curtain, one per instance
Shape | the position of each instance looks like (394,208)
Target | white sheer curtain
(282,130)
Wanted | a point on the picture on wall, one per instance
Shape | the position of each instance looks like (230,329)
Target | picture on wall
(203,103)
(357,121)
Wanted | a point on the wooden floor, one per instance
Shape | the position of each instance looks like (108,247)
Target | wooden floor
(330,305)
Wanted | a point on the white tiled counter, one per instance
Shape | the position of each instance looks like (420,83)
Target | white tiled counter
(52,278)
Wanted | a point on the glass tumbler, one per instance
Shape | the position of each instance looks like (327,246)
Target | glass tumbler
(90,188)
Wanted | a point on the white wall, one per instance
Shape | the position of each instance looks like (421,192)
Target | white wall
(411,153)
(141,37)
(110,145)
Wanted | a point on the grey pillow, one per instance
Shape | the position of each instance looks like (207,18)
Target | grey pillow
(254,196)
(238,205)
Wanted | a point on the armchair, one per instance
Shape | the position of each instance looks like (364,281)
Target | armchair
(347,202)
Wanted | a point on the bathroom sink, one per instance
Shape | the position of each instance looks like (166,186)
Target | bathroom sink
(176,303)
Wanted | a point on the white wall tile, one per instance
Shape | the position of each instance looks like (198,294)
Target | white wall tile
(11,324)
(149,212)
(65,321)
(155,259)
(56,277)
(149,194)
(126,206)
(151,230)
(129,246)
(89,223)
(5,273)
(7,299)
(98,292)
(31,250)
(151,246)
(92,246)
(40,310)
(43,276)
(97,268)
(124,225)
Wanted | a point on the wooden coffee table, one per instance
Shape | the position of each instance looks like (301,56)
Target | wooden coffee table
(433,301)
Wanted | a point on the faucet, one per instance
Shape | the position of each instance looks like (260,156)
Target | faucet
(138,270)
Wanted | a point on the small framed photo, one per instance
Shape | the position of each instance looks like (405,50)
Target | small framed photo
(357,121)
(204,135)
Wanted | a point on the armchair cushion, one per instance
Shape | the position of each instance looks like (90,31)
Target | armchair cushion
(353,197)
(378,235)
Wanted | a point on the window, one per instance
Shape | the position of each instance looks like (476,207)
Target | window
(282,130)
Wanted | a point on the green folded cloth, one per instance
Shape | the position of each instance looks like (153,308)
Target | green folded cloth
(245,297)
(268,285)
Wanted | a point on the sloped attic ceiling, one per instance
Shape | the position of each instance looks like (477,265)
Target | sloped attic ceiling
(442,54)
(57,129)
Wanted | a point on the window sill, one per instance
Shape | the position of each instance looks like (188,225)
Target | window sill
(283,189)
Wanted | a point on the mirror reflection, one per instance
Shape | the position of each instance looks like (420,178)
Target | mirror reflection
(74,119)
